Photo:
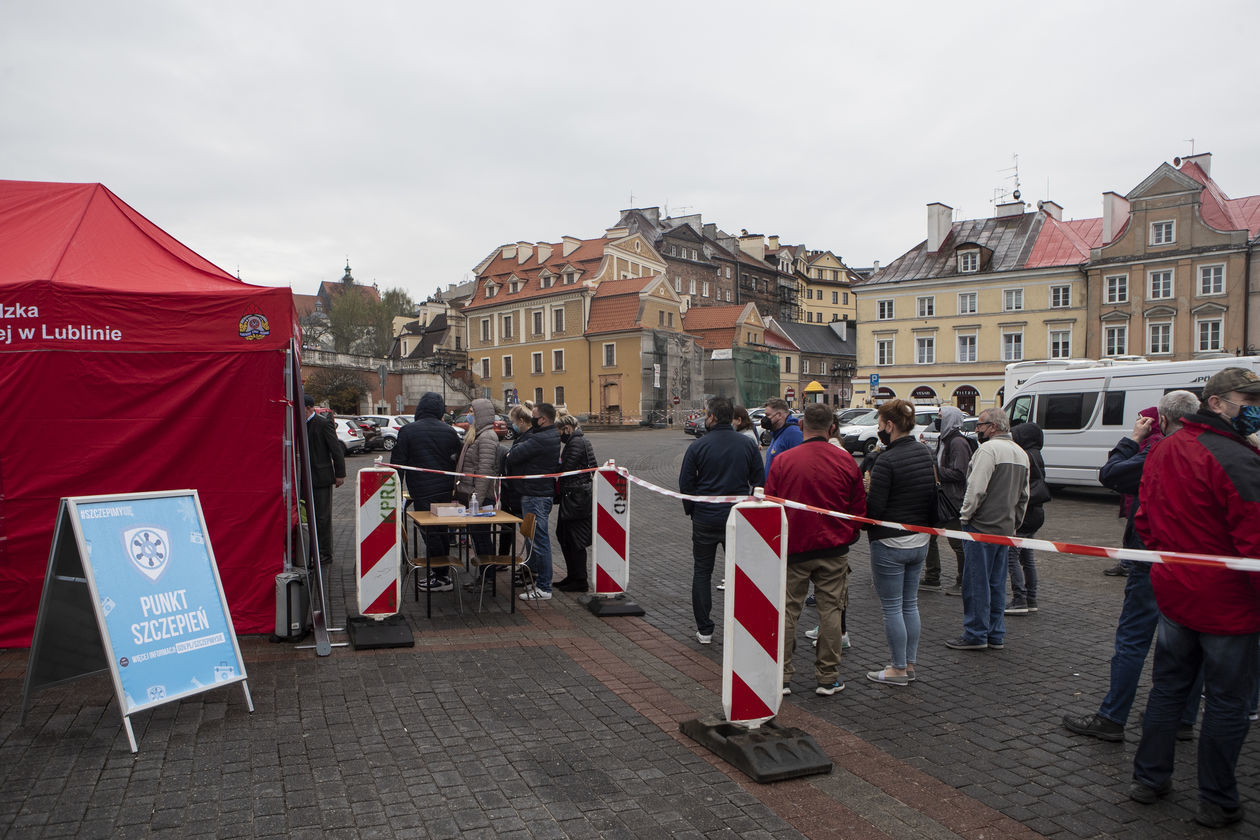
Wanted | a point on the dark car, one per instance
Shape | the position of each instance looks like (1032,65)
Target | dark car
(846,415)
(694,425)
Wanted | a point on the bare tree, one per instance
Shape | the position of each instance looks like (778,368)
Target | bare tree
(341,389)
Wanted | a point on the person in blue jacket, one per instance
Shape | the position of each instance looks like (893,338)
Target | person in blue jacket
(787,432)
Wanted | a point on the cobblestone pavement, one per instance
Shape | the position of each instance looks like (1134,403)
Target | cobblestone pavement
(554,723)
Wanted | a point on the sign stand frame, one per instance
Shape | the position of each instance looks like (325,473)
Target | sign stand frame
(71,601)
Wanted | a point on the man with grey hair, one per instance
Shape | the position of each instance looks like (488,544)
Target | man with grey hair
(1139,616)
(995,501)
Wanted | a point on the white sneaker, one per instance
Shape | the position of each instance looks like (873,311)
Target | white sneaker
(811,634)
(844,642)
(721,587)
(704,638)
(534,594)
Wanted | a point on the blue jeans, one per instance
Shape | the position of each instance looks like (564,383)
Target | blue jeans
(1134,633)
(540,560)
(704,542)
(896,573)
(984,592)
(1023,568)
(1229,665)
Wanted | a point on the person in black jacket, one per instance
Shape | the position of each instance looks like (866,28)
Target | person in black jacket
(537,453)
(953,455)
(328,470)
(431,443)
(722,463)
(573,495)
(1021,562)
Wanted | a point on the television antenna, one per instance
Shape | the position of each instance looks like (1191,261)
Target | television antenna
(999,193)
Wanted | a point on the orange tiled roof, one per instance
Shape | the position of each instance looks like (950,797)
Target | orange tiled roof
(305,304)
(615,306)
(715,339)
(585,258)
(1219,210)
(1064,243)
(712,317)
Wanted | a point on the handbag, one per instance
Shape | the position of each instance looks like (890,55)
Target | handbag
(946,510)
(576,503)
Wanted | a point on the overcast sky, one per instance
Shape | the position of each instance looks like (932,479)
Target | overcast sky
(279,138)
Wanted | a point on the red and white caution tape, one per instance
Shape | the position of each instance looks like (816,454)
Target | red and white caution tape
(1244,564)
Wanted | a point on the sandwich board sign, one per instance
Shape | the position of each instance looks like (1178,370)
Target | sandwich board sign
(132,588)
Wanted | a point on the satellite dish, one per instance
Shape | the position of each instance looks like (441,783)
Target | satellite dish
(1015,195)
(1177,162)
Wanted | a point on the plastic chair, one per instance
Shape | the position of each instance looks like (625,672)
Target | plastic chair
(523,549)
(413,565)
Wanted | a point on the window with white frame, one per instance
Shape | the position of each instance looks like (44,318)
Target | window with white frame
(1159,338)
(678,283)
(925,350)
(884,351)
(1060,297)
(927,306)
(835,298)
(1060,344)
(966,348)
(485,367)
(1013,346)
(787,364)
(805,367)
(507,326)
(669,320)
(846,298)
(1161,284)
(704,289)
(1211,279)
(610,355)
(507,367)
(538,321)
(1116,340)
(968,261)
(570,277)
(535,360)
(1117,288)
(809,317)
(559,395)
(1163,233)
(728,272)
(546,281)
(557,360)
(1209,335)
(691,286)
(884,310)
(485,330)
(1012,300)
(967,303)
(557,320)
(538,397)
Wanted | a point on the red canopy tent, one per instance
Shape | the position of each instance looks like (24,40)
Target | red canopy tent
(128,363)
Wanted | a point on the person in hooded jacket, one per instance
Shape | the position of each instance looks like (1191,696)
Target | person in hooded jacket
(430,443)
(953,456)
(478,455)
(573,494)
(535,454)
(1020,562)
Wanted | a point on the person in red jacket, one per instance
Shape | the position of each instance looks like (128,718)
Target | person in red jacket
(819,474)
(1200,493)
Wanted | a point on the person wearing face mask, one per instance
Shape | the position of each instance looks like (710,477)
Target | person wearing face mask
(786,431)
(953,454)
(537,454)
(573,497)
(1200,493)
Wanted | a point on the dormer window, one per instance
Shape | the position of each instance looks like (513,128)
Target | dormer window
(968,262)
(514,287)
(492,289)
(546,281)
(570,278)
(1163,233)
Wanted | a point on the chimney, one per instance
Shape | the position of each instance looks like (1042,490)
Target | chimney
(508,252)
(1052,209)
(875,267)
(524,250)
(1204,161)
(774,242)
(753,244)
(568,244)
(616,232)
(652,214)
(544,252)
(1115,214)
(940,219)
(1009,208)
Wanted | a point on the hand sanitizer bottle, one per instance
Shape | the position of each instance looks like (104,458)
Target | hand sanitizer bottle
(474,507)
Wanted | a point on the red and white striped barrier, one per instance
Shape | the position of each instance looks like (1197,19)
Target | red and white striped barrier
(610,508)
(378,541)
(756,579)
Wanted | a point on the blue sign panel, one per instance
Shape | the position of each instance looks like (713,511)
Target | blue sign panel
(167,628)
(874,381)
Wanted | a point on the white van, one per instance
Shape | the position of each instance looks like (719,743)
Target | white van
(1085,411)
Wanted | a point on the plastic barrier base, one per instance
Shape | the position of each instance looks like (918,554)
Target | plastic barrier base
(770,753)
(366,633)
(618,605)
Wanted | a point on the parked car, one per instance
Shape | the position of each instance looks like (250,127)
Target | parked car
(845,416)
(507,433)
(367,431)
(694,424)
(866,438)
(386,430)
(350,435)
(930,437)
